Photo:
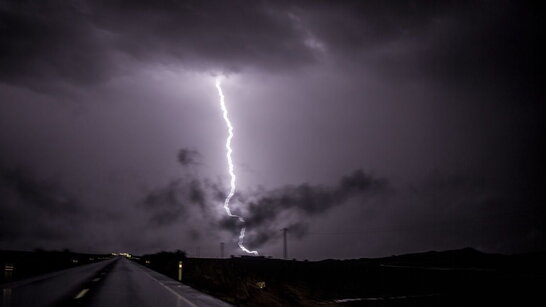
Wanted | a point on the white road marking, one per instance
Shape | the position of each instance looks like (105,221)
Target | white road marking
(96,279)
(82,293)
(384,298)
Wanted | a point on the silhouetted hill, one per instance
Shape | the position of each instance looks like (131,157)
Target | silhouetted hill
(463,277)
(470,258)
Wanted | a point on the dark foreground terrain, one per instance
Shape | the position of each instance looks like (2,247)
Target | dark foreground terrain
(17,265)
(452,278)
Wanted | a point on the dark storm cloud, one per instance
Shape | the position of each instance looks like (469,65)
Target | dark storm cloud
(187,157)
(42,195)
(469,56)
(268,211)
(34,208)
(476,44)
(502,214)
(479,45)
(87,41)
(491,46)
(218,35)
(167,205)
(294,206)
(49,40)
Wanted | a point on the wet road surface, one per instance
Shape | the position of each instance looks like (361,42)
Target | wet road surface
(116,282)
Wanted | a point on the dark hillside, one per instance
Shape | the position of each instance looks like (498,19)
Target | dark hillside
(453,278)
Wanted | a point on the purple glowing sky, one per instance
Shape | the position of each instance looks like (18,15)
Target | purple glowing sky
(366,128)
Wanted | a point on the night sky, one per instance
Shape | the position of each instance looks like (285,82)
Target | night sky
(367,128)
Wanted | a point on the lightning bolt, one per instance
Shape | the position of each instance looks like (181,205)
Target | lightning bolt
(231,168)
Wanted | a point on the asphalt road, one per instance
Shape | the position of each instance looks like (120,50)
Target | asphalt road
(116,282)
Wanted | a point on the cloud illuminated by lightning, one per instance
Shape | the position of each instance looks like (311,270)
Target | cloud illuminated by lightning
(231,168)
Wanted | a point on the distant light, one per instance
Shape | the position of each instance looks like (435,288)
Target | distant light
(122,254)
(179,270)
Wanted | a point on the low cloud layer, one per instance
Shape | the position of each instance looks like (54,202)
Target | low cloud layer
(444,210)
(265,212)
(294,207)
